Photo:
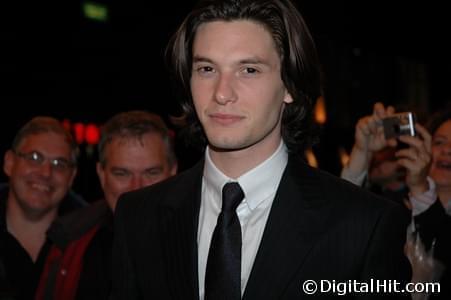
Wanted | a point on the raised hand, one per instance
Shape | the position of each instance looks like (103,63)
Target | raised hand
(416,159)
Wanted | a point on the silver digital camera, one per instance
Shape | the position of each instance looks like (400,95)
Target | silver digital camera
(399,124)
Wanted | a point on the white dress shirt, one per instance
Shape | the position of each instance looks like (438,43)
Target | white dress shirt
(259,186)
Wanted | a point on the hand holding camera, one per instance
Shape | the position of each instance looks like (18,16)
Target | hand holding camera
(386,128)
(369,134)
(369,138)
(414,148)
(416,158)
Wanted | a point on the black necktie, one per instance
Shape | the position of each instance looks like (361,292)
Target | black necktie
(223,274)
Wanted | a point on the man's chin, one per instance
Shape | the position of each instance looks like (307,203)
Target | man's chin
(37,208)
(228,145)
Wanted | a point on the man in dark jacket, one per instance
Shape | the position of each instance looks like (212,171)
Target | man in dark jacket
(41,166)
(135,150)
(251,220)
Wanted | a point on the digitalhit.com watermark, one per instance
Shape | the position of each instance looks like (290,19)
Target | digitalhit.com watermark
(342,288)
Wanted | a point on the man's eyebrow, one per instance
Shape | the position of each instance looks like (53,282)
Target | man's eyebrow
(154,168)
(197,59)
(253,61)
(250,60)
(115,168)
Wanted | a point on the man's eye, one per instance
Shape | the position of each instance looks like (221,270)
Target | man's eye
(120,173)
(152,173)
(205,69)
(61,163)
(251,70)
(35,156)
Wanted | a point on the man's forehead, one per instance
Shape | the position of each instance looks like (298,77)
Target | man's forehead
(45,142)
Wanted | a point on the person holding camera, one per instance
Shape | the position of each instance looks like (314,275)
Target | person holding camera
(427,164)
(370,141)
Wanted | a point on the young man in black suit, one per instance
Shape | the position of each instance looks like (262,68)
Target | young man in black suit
(250,73)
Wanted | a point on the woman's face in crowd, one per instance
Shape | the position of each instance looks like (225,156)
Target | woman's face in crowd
(441,156)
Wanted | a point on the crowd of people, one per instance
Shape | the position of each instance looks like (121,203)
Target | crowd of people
(251,220)
(419,177)
(53,245)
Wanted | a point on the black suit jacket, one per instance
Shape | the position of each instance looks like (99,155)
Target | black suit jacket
(319,228)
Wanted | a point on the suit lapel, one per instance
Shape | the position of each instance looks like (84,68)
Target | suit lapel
(179,223)
(294,225)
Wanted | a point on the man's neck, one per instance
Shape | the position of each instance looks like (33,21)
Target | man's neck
(30,232)
(235,163)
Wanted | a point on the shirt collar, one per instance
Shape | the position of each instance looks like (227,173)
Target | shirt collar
(257,184)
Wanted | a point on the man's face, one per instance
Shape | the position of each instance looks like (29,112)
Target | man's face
(236,86)
(36,185)
(131,164)
(441,156)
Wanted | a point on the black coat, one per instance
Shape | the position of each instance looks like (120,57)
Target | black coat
(319,227)
(19,275)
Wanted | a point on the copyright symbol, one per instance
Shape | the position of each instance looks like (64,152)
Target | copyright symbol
(309,287)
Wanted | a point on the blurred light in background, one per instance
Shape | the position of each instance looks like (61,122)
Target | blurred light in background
(92,134)
(95,11)
(320,111)
(83,133)
(311,158)
(344,156)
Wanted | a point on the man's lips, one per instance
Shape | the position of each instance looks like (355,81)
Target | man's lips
(225,119)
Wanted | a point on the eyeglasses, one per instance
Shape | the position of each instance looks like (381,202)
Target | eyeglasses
(37,158)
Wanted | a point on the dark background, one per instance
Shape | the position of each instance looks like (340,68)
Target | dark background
(56,61)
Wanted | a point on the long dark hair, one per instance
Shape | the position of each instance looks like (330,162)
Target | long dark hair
(299,62)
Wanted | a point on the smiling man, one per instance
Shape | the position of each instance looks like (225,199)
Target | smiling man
(251,220)
(41,166)
(135,150)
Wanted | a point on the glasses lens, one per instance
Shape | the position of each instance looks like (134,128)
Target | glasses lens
(61,163)
(34,157)
(38,158)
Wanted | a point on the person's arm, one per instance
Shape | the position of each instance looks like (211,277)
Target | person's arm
(421,202)
(417,160)
(369,137)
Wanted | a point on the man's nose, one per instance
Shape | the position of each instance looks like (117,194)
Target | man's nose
(136,183)
(225,90)
(46,168)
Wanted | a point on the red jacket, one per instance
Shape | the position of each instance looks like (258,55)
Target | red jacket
(71,238)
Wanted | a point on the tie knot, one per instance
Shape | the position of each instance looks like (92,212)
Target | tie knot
(232,195)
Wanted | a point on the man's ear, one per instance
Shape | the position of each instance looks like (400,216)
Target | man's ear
(174,169)
(8,162)
(74,173)
(100,174)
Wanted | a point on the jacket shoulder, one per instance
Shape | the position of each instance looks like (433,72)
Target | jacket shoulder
(74,225)
(333,190)
(171,191)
